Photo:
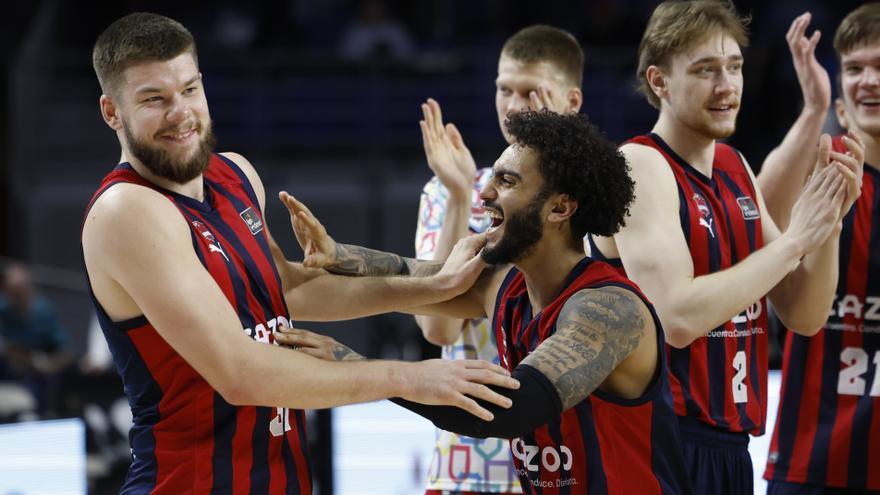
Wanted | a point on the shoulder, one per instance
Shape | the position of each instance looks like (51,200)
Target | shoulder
(127,213)
(607,308)
(250,172)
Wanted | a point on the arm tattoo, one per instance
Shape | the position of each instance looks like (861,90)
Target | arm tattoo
(344,353)
(595,331)
(360,261)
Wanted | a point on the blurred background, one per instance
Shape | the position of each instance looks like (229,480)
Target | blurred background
(323,98)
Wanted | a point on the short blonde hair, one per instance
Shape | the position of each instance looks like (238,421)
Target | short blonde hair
(678,25)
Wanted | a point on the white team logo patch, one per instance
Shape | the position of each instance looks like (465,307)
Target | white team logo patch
(749,209)
(706,218)
(213,245)
(252,220)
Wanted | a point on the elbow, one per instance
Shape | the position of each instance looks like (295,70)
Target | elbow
(440,332)
(678,331)
(806,326)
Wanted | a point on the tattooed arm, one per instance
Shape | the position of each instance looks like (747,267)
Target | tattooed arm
(604,339)
(361,261)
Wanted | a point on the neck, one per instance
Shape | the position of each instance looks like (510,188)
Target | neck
(694,147)
(545,271)
(194,189)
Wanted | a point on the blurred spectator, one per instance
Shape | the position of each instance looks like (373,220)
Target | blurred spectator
(376,37)
(33,341)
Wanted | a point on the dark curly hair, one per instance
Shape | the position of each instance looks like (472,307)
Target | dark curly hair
(576,159)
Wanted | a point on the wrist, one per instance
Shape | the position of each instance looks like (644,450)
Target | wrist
(815,111)
(398,374)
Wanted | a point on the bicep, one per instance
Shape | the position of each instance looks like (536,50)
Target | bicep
(154,263)
(595,331)
(652,246)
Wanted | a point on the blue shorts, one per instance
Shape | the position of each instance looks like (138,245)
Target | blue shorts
(787,488)
(717,461)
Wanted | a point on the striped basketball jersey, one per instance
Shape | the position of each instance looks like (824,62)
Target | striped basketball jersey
(186,438)
(721,378)
(604,444)
(828,427)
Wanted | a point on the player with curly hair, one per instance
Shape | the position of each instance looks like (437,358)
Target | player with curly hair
(593,413)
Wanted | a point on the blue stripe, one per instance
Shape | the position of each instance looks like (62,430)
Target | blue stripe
(598,483)
(144,396)
(260,443)
(245,182)
(224,430)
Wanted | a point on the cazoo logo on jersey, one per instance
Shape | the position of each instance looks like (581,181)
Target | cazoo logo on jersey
(551,459)
(262,331)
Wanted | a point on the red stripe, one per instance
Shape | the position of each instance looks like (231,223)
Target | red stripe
(243,449)
(626,448)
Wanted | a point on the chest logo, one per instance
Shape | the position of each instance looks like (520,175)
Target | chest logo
(213,245)
(706,219)
(252,219)
(749,209)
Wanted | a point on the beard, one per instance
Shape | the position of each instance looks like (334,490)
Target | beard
(160,162)
(522,232)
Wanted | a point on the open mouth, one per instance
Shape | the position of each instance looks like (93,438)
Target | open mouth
(872,102)
(497,219)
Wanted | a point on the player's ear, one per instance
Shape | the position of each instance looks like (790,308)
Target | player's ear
(562,208)
(110,112)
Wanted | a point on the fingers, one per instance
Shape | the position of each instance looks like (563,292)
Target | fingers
(824,156)
(856,147)
(437,115)
(454,136)
(471,406)
(796,31)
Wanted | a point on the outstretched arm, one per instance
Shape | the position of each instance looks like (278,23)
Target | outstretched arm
(443,220)
(604,338)
(314,295)
(149,268)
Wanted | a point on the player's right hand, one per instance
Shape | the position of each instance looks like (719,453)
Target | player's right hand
(447,155)
(813,78)
(464,264)
(443,382)
(319,249)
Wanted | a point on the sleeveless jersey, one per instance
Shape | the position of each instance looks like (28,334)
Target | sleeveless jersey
(604,444)
(186,438)
(721,378)
(830,398)
(460,463)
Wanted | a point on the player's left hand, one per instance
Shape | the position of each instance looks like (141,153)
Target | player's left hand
(314,344)
(319,249)
(541,98)
(464,263)
(812,77)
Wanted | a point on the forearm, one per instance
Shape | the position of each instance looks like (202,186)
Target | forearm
(803,298)
(336,297)
(535,403)
(786,168)
(692,308)
(309,383)
(361,261)
(443,330)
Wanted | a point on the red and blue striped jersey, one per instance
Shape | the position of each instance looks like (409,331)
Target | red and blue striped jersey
(604,444)
(828,427)
(721,378)
(186,438)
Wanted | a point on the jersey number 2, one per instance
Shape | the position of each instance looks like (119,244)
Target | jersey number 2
(740,391)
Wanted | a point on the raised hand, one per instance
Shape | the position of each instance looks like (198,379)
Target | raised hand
(541,98)
(817,211)
(852,166)
(457,383)
(813,78)
(447,155)
(318,247)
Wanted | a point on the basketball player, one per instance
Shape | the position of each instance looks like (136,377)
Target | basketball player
(827,435)
(539,67)
(593,413)
(182,271)
(702,246)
